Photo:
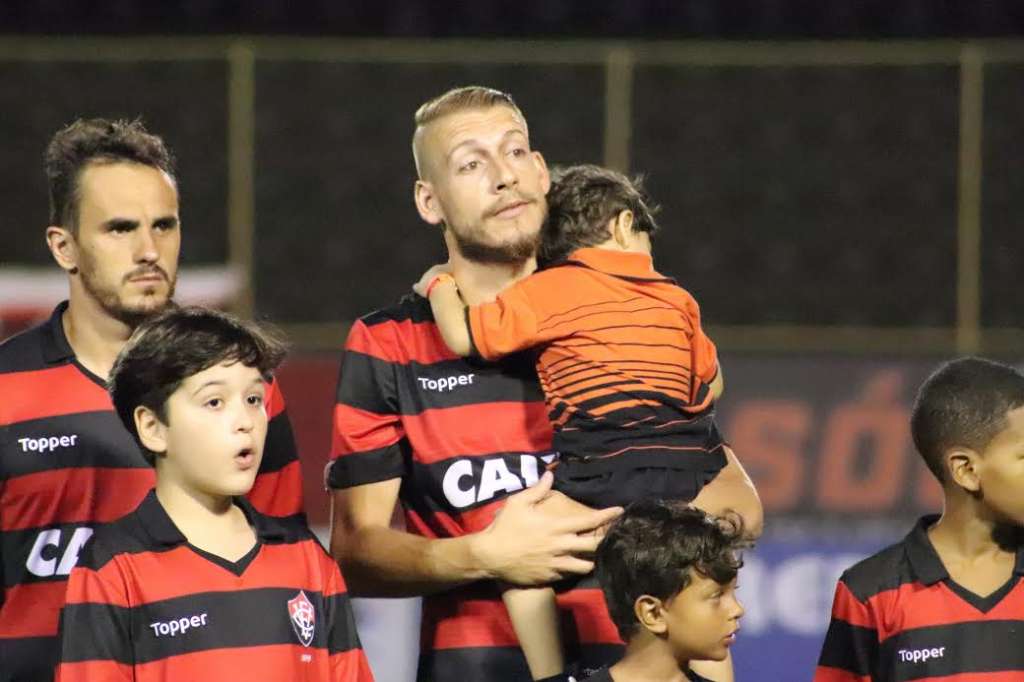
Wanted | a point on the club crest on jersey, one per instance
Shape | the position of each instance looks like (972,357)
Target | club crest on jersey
(303,617)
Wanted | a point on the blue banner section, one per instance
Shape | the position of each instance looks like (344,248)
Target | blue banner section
(786,586)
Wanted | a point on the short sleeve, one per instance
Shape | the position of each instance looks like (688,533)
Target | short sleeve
(95,626)
(705,355)
(850,650)
(367,437)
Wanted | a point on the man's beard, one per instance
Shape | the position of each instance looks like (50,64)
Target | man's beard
(110,300)
(509,253)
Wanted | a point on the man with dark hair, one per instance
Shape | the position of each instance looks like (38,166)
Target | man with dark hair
(947,603)
(195,583)
(66,463)
(668,572)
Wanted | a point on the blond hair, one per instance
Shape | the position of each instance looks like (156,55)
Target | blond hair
(453,101)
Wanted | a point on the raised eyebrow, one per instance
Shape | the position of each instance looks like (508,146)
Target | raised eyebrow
(465,143)
(207,384)
(511,132)
(515,132)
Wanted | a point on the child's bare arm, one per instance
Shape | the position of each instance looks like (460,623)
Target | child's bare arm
(717,384)
(438,285)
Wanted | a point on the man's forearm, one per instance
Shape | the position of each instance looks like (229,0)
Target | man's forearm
(383,562)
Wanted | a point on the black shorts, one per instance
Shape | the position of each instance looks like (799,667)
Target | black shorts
(620,480)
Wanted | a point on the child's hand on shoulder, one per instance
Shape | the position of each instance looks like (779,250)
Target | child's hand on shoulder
(421,286)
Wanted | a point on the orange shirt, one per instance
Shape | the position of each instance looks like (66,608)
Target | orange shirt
(622,349)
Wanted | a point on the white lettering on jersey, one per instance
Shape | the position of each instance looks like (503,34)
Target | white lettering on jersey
(45,568)
(921,655)
(462,485)
(178,626)
(446,383)
(47,443)
(496,476)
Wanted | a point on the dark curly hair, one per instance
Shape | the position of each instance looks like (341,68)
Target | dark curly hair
(96,140)
(653,547)
(582,200)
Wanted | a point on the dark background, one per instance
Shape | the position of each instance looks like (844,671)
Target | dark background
(806,154)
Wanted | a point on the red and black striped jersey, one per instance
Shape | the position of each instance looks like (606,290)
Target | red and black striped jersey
(462,434)
(898,616)
(144,604)
(67,466)
(624,363)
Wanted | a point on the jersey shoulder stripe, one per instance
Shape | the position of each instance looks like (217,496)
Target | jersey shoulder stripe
(23,352)
(885,570)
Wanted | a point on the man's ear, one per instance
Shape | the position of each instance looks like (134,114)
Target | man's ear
(152,431)
(545,174)
(650,612)
(962,466)
(63,247)
(426,202)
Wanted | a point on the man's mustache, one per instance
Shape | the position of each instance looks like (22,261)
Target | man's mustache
(518,198)
(146,271)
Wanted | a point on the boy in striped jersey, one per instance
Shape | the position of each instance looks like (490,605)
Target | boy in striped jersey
(195,583)
(629,376)
(947,602)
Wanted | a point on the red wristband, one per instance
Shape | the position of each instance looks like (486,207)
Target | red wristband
(443,277)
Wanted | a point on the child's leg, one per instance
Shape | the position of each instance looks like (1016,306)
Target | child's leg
(733,490)
(533,610)
(534,616)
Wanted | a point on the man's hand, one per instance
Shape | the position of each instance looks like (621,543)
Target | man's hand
(421,286)
(526,545)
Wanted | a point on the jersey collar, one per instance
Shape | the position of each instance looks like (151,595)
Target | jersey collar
(625,264)
(162,531)
(925,561)
(56,348)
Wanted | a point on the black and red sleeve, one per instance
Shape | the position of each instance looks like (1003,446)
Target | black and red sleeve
(368,440)
(850,650)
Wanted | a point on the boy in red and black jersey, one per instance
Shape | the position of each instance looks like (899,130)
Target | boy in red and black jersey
(67,465)
(195,583)
(947,603)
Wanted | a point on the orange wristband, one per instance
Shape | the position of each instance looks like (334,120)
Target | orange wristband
(443,277)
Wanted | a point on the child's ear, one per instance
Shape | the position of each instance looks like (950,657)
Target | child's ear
(152,431)
(651,613)
(622,228)
(962,466)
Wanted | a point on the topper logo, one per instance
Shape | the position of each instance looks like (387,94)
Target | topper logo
(921,655)
(178,626)
(469,481)
(445,383)
(46,443)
